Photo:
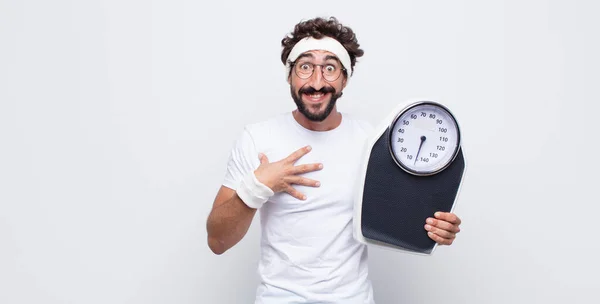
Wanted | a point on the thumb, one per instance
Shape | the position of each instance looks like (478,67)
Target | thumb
(263,158)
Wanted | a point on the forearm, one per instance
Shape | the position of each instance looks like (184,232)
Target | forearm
(228,223)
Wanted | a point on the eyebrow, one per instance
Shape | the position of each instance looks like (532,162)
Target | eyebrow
(305,55)
(327,57)
(330,57)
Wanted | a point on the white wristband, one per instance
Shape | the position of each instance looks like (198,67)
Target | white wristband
(252,192)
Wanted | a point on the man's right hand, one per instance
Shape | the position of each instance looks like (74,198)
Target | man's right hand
(281,175)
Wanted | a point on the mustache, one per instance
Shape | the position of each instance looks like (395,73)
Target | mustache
(311,90)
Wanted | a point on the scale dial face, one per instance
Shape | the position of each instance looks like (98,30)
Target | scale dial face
(424,138)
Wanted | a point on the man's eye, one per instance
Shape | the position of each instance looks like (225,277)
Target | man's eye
(305,66)
(330,68)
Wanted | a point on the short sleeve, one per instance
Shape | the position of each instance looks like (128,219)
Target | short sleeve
(243,158)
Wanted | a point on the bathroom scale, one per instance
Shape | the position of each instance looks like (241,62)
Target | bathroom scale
(413,166)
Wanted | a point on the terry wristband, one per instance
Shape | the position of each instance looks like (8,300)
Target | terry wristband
(252,192)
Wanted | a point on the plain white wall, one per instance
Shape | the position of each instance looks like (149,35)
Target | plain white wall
(116,120)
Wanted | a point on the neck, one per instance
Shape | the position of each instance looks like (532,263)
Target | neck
(331,122)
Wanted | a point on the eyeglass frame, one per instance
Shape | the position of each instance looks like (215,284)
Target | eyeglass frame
(343,71)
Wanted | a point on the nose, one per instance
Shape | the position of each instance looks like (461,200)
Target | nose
(316,79)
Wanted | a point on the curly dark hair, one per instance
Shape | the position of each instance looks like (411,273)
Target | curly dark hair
(317,28)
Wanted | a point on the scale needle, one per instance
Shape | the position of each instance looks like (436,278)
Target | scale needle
(423,138)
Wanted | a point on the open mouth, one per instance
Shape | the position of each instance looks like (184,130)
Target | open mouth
(316,97)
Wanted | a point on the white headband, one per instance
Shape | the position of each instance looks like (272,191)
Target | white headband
(326,44)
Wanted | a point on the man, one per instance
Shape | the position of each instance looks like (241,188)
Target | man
(299,169)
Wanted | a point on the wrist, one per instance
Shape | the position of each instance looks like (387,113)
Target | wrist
(252,192)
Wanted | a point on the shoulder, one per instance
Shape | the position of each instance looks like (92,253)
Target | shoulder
(266,127)
(260,133)
(358,124)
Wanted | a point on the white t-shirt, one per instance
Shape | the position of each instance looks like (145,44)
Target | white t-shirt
(308,253)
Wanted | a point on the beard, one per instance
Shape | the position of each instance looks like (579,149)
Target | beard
(304,108)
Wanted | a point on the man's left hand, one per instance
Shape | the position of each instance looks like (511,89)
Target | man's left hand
(443,227)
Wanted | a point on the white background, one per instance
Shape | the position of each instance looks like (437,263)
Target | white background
(117,117)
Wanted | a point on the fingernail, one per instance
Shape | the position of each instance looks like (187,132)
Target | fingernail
(320,166)
(317,184)
(308,148)
(430,233)
(304,197)
(437,214)
(427,227)
(429,221)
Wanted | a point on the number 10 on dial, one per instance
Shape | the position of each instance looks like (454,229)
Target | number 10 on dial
(424,138)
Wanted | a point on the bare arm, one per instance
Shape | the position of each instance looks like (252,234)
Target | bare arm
(228,221)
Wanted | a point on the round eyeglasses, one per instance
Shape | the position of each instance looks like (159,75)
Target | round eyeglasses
(331,72)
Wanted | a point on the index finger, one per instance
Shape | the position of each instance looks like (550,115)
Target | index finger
(292,158)
(448,217)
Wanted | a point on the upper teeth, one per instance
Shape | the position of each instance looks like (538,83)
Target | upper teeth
(316,95)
